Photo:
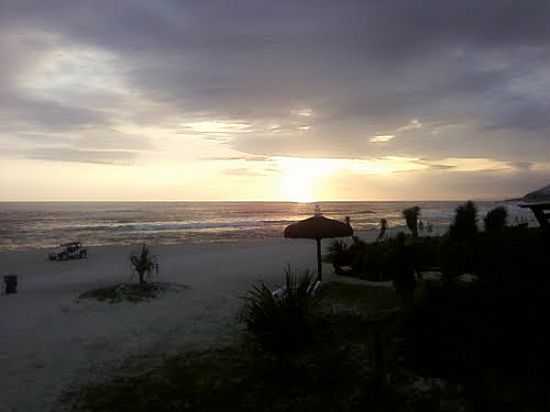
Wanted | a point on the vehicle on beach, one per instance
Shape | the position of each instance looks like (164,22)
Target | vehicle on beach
(72,250)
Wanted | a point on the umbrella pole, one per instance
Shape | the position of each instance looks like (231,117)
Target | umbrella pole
(319,265)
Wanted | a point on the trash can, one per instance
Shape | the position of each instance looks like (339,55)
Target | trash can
(10,282)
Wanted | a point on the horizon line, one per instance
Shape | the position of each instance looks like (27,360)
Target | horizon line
(508,199)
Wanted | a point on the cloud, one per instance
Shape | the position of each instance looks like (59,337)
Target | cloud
(244,171)
(412,125)
(523,165)
(381,138)
(247,158)
(107,157)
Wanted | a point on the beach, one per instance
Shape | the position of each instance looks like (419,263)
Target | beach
(50,340)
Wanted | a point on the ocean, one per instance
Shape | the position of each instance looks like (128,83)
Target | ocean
(28,225)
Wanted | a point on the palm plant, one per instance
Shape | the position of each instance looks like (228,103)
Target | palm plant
(143,263)
(411,216)
(281,323)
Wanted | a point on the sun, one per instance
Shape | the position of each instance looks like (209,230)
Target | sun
(297,188)
(301,177)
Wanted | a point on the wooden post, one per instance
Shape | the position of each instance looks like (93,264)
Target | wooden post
(319,264)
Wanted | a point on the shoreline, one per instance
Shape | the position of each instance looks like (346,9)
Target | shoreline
(367,235)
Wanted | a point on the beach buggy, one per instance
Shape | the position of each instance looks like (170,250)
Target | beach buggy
(72,250)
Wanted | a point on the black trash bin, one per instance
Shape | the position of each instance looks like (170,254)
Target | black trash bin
(10,282)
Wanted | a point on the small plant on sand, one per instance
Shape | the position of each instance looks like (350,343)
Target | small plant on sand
(411,216)
(496,220)
(143,263)
(281,323)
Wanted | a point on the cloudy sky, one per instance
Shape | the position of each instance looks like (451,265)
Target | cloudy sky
(273,100)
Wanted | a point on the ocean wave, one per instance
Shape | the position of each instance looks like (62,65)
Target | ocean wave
(164,226)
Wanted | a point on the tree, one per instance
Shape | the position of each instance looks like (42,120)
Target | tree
(411,217)
(144,263)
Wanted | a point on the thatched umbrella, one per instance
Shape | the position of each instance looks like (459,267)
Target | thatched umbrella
(318,227)
(539,203)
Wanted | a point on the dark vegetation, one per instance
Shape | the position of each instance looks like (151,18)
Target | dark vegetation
(435,345)
(496,220)
(488,335)
(133,293)
(281,324)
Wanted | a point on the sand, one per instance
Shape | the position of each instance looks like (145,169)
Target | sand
(50,341)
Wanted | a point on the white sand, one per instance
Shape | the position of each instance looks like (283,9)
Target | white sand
(49,341)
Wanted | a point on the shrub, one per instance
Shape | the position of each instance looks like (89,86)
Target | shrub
(370,261)
(411,216)
(464,226)
(281,324)
(377,261)
(496,220)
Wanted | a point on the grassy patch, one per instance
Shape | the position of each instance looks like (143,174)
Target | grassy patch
(237,379)
(134,293)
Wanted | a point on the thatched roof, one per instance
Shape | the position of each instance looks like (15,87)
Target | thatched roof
(318,227)
(537,198)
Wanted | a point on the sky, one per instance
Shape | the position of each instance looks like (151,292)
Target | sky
(273,100)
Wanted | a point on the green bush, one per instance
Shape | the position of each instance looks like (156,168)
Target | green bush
(281,324)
